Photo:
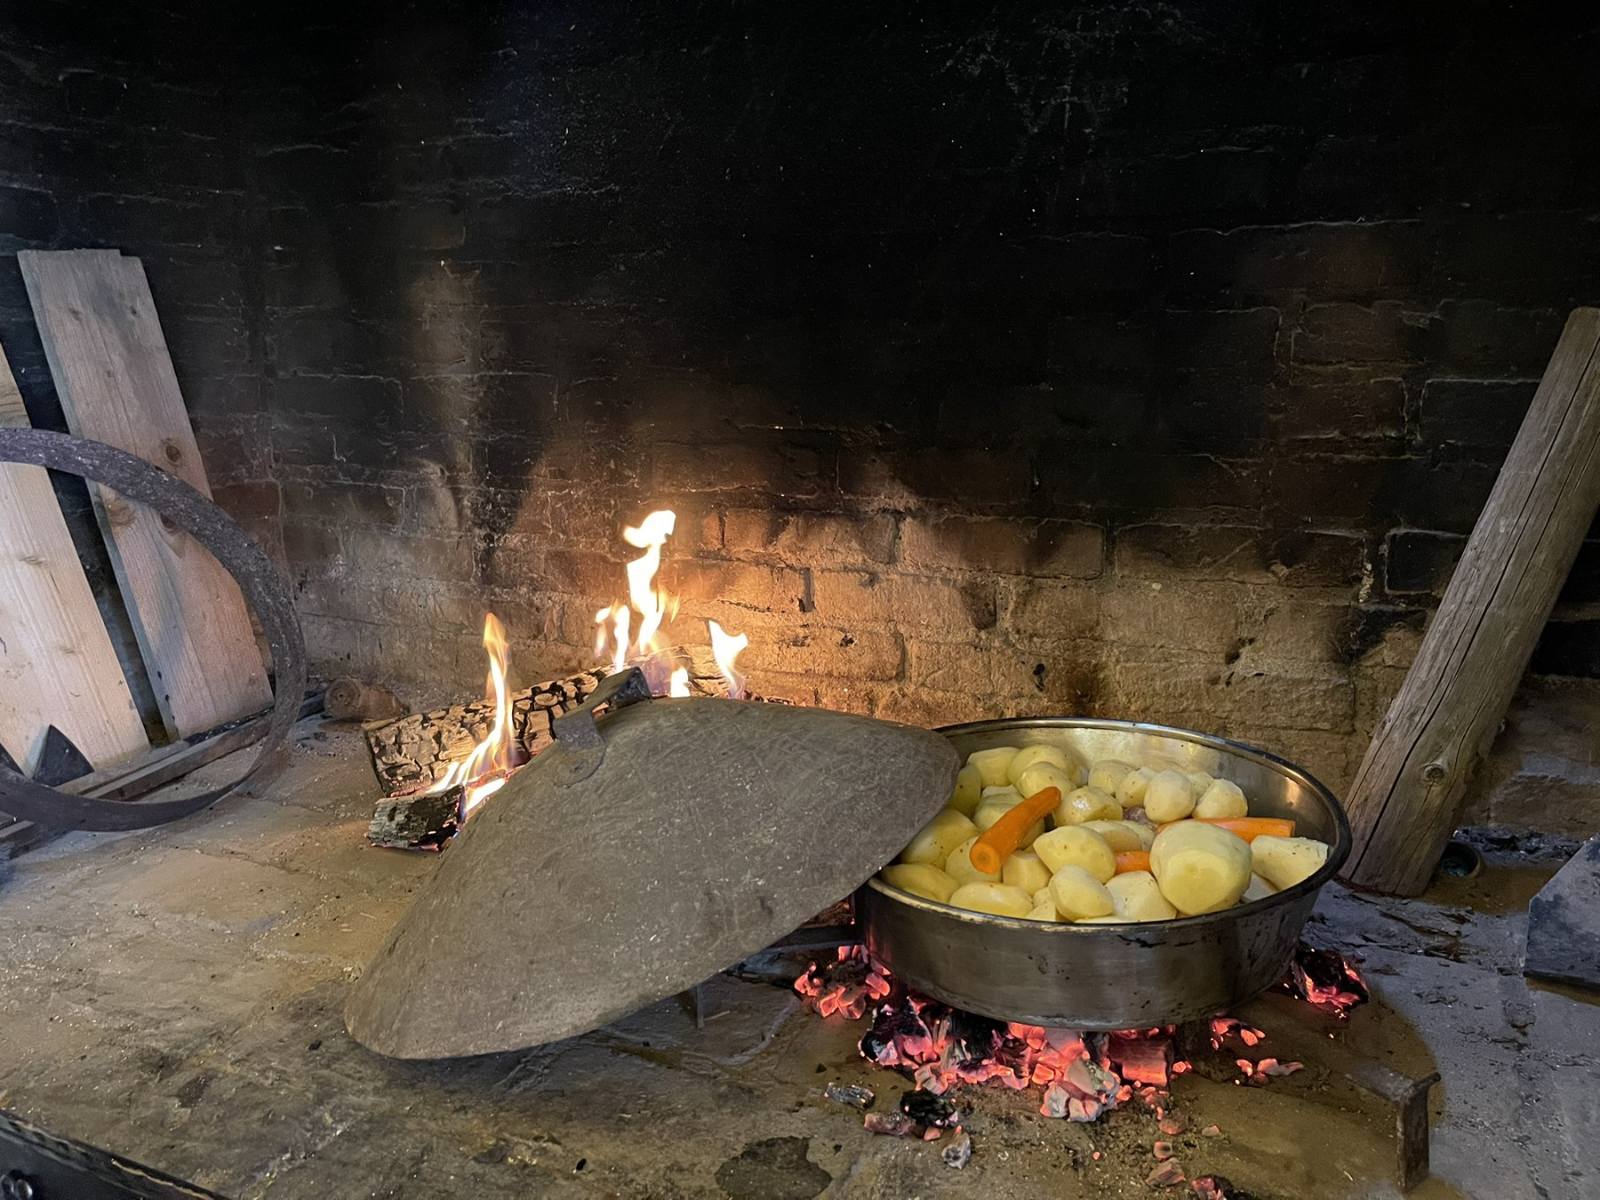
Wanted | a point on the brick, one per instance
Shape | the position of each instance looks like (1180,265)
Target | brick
(1137,482)
(414,224)
(975,477)
(742,585)
(1238,343)
(950,667)
(1051,611)
(311,549)
(848,596)
(342,503)
(1420,561)
(138,221)
(370,396)
(820,650)
(1332,259)
(808,537)
(1360,410)
(1238,554)
(931,709)
(1483,413)
(1233,180)
(1010,547)
(1193,617)
(778,469)
(376,555)
(1482,336)
(1387,332)
(27,215)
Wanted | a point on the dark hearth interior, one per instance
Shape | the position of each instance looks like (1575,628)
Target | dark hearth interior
(1148,362)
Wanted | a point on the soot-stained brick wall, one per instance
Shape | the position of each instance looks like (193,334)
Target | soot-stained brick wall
(1138,360)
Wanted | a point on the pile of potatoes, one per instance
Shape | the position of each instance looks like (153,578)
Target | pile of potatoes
(1071,871)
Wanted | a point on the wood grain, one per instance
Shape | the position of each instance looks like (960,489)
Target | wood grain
(1406,797)
(115,379)
(57,663)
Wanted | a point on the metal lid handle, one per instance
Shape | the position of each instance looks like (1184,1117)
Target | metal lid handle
(577,730)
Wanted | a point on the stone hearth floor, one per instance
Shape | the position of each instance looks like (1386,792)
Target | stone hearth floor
(174,995)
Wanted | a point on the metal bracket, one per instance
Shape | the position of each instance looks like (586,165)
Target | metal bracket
(581,745)
(36,1165)
(264,590)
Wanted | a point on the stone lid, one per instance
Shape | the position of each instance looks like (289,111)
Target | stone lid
(642,853)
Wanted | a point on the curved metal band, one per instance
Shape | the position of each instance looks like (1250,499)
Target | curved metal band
(258,579)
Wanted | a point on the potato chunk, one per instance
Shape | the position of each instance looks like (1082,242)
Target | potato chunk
(1087,804)
(1107,774)
(1259,889)
(1169,797)
(1044,912)
(1131,787)
(1123,835)
(959,865)
(1029,755)
(1284,862)
(992,764)
(1025,870)
(920,879)
(1076,846)
(938,837)
(1036,778)
(1201,868)
(1137,896)
(1222,799)
(1109,919)
(998,899)
(1199,781)
(1078,894)
(969,790)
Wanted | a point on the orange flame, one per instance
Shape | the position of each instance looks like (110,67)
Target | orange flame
(725,649)
(485,770)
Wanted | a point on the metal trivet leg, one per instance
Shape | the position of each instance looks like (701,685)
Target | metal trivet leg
(35,1165)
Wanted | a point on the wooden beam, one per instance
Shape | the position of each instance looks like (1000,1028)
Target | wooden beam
(57,663)
(109,360)
(1406,797)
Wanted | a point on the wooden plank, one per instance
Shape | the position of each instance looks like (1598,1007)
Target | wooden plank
(115,379)
(1406,797)
(57,663)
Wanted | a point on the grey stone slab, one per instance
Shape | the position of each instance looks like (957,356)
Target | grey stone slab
(1564,922)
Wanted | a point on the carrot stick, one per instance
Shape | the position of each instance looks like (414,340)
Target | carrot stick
(1000,841)
(1133,860)
(1249,828)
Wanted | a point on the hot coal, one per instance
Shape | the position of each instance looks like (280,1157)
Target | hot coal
(1324,979)
(959,1152)
(891,1125)
(1216,1187)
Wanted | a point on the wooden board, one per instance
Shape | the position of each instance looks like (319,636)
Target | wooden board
(57,663)
(115,379)
(1406,798)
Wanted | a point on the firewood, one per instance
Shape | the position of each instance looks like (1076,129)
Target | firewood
(1406,797)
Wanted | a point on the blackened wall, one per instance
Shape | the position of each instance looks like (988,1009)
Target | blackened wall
(1138,360)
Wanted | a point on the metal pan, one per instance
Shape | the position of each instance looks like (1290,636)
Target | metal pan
(1112,976)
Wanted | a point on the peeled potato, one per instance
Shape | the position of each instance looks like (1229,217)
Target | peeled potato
(1044,912)
(1025,870)
(1259,889)
(1199,781)
(1284,862)
(1222,799)
(1123,836)
(1111,919)
(1042,896)
(959,865)
(992,763)
(1073,845)
(969,789)
(1039,776)
(1136,896)
(1107,774)
(1029,755)
(938,837)
(1169,797)
(1078,894)
(996,803)
(1201,868)
(1131,787)
(920,879)
(1000,899)
(1087,804)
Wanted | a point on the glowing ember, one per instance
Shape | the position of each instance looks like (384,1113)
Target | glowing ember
(484,772)
(1324,979)
(1081,1075)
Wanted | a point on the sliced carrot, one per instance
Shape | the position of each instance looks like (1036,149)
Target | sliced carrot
(1133,860)
(1249,828)
(1000,841)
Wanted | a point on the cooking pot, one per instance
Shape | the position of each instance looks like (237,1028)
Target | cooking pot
(1112,976)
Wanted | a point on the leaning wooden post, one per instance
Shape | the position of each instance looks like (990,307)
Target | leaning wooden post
(1406,797)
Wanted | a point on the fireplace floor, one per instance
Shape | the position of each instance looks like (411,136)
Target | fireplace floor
(174,996)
